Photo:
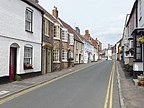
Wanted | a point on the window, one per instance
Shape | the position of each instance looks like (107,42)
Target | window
(76,45)
(27,57)
(71,55)
(56,55)
(71,39)
(64,54)
(56,31)
(46,27)
(138,50)
(28,19)
(64,35)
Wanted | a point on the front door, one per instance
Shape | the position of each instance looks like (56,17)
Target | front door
(79,58)
(48,61)
(12,68)
(44,62)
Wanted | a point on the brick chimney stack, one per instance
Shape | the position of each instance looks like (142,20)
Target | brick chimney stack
(55,12)
(87,35)
(86,32)
(77,29)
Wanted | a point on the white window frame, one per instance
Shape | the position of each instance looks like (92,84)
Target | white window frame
(28,20)
(71,54)
(56,55)
(64,35)
(71,39)
(46,27)
(64,55)
(28,57)
(57,32)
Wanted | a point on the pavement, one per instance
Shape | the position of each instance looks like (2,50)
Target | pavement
(131,96)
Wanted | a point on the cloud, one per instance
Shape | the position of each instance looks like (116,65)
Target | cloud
(112,30)
(109,39)
(118,18)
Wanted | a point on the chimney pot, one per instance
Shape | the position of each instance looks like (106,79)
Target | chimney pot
(77,29)
(55,12)
(86,31)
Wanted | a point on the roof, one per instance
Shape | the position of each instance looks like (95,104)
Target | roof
(35,5)
(71,30)
(132,11)
(48,14)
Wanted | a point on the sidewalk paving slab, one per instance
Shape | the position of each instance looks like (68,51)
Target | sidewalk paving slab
(132,95)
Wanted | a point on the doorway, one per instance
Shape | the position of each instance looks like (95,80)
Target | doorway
(79,58)
(13,62)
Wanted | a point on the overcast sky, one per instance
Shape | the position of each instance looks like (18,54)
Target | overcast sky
(104,18)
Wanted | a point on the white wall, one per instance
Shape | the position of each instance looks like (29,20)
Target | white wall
(138,66)
(12,30)
(12,21)
(141,13)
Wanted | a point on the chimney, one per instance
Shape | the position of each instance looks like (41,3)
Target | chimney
(35,1)
(86,32)
(87,35)
(77,29)
(55,12)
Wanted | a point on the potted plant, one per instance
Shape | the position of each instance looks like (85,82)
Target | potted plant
(141,40)
(131,50)
(141,80)
(28,66)
(18,78)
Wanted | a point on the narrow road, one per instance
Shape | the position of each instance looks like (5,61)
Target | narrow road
(89,88)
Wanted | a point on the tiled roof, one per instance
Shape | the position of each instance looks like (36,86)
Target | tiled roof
(71,30)
(48,14)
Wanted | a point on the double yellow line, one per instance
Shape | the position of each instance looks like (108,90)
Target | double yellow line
(109,94)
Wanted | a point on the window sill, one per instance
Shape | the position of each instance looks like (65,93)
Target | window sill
(28,31)
(56,62)
(46,35)
(64,61)
(65,41)
(56,38)
(28,68)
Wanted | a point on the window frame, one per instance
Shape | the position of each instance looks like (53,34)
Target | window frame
(64,35)
(56,55)
(28,54)
(29,21)
(71,39)
(138,46)
(46,27)
(64,55)
(57,32)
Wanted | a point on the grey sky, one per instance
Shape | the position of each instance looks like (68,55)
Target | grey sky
(104,18)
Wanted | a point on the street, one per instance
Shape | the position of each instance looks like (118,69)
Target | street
(93,87)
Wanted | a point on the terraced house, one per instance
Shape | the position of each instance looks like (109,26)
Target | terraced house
(78,47)
(67,45)
(20,38)
(90,48)
(133,50)
(47,41)
(57,42)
